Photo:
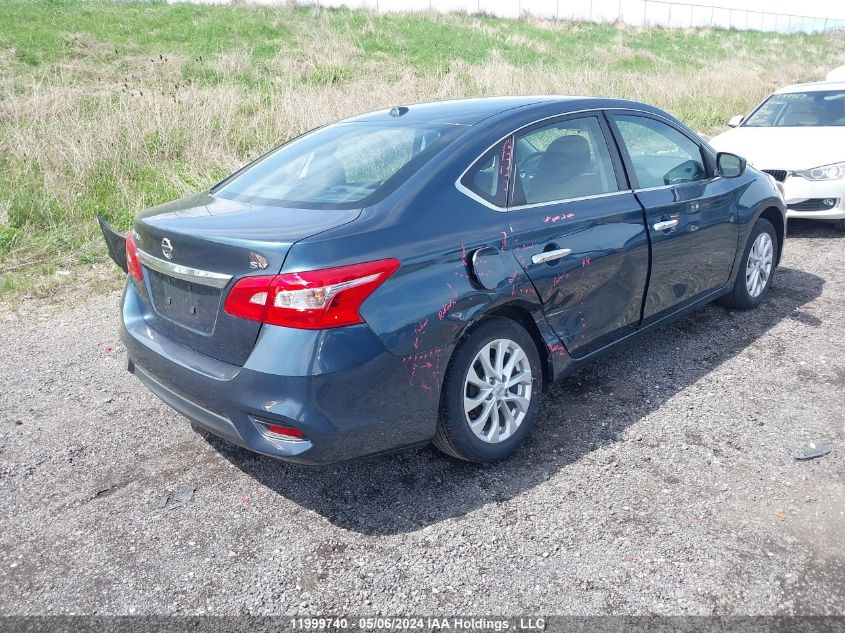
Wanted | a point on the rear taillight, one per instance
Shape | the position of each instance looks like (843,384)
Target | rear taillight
(314,299)
(133,264)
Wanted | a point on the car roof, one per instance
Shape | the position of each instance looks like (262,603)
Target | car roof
(456,111)
(475,110)
(815,86)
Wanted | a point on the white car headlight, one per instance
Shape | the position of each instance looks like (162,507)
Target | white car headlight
(825,172)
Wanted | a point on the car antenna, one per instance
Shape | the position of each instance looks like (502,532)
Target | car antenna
(398,110)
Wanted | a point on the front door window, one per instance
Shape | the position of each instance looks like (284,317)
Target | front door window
(660,154)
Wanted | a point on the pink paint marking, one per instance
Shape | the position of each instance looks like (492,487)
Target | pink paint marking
(585,262)
(555,282)
(551,219)
(557,349)
(512,282)
(425,370)
(425,355)
(505,163)
(445,309)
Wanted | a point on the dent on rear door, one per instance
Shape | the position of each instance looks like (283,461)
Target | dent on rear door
(594,294)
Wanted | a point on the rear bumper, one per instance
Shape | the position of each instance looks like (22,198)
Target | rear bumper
(342,388)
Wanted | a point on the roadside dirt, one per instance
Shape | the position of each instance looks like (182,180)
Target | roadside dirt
(658,480)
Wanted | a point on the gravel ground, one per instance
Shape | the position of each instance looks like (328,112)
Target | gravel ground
(658,480)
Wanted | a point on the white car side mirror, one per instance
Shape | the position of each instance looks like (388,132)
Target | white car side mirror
(735,120)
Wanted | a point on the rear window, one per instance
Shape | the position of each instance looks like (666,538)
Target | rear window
(338,166)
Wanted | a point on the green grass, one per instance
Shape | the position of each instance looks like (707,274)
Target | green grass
(111,107)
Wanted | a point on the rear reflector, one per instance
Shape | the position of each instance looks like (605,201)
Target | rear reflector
(277,431)
(284,431)
(133,264)
(312,300)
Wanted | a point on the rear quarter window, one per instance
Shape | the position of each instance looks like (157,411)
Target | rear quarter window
(490,176)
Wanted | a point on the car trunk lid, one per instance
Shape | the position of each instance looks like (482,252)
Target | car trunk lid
(194,249)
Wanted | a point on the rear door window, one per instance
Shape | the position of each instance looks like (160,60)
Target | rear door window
(563,160)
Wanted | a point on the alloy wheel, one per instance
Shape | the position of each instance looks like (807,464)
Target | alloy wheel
(497,390)
(759,266)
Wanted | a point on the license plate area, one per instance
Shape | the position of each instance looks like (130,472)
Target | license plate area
(186,303)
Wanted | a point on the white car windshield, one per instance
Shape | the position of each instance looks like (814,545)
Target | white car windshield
(817,108)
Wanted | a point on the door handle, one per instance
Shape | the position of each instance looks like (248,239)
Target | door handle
(665,225)
(549,256)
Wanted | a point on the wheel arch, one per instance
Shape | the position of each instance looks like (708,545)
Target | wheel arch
(775,217)
(523,316)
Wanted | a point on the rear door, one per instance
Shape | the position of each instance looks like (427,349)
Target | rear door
(578,230)
(690,211)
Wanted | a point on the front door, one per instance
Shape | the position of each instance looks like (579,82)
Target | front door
(691,213)
(578,230)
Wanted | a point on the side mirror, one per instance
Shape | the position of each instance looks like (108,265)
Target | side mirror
(730,165)
(735,120)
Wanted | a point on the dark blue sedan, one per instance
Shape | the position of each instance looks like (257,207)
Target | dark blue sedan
(422,274)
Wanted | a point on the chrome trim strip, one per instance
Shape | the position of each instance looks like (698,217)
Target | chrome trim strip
(597,111)
(536,205)
(680,184)
(185,273)
(471,194)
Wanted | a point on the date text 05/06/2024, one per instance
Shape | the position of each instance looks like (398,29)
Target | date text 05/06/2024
(476,624)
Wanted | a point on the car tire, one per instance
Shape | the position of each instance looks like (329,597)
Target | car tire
(839,225)
(760,255)
(508,402)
